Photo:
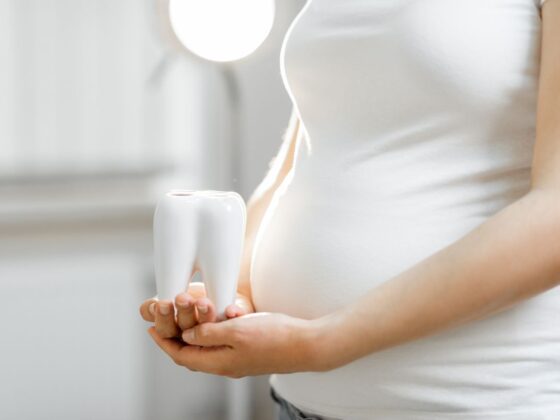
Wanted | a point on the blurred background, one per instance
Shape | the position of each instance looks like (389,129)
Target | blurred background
(101,110)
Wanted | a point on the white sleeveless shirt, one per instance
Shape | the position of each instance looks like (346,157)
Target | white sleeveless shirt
(418,121)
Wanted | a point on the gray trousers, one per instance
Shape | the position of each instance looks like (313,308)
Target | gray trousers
(289,411)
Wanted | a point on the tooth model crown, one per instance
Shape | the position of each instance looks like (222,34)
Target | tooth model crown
(199,230)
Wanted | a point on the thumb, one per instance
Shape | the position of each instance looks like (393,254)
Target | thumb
(209,334)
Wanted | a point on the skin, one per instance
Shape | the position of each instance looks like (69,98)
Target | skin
(512,256)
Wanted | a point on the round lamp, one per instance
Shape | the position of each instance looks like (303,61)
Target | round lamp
(221,30)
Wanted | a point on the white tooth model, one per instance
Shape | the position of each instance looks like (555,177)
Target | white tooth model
(199,230)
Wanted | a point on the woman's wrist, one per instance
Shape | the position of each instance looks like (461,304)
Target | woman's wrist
(323,343)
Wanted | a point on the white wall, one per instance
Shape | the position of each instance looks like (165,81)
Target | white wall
(98,116)
(77,100)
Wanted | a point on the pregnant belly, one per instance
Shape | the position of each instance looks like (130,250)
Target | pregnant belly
(317,251)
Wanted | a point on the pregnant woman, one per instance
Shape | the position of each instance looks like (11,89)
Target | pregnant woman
(403,251)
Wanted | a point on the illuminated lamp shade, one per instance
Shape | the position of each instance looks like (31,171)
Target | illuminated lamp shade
(221,30)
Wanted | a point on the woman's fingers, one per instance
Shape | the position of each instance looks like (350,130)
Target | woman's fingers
(147,310)
(244,303)
(241,306)
(196,289)
(186,314)
(165,319)
(235,310)
(205,310)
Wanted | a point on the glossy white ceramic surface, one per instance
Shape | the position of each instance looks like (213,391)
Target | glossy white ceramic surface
(199,230)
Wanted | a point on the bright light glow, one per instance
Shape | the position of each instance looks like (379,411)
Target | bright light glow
(221,30)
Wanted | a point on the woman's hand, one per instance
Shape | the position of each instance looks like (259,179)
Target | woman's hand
(254,344)
(192,307)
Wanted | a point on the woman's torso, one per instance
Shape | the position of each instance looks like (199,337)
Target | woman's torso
(418,122)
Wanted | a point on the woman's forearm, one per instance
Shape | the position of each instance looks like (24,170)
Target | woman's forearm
(261,197)
(255,212)
(513,255)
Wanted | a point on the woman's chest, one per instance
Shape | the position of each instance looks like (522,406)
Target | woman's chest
(484,49)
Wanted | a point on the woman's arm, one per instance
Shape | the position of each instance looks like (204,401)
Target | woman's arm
(259,201)
(513,255)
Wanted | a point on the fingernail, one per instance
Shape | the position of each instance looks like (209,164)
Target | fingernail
(188,335)
(164,309)
(183,304)
(202,309)
(152,308)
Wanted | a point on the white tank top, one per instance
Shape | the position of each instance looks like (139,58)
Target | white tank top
(418,125)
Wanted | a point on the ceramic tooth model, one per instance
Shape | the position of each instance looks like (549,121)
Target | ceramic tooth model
(199,230)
